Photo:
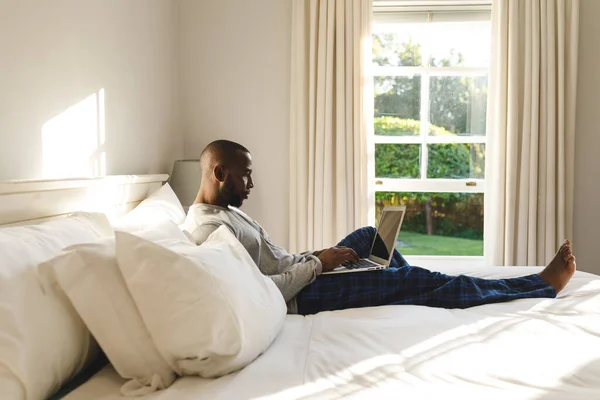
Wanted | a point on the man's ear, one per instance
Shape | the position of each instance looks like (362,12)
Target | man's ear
(219,173)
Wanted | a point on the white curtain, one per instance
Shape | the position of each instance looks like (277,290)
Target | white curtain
(330,94)
(531,130)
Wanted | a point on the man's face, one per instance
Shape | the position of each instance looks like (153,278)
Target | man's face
(238,180)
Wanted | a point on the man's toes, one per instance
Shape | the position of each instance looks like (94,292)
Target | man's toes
(565,246)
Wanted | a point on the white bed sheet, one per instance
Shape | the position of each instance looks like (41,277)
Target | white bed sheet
(539,349)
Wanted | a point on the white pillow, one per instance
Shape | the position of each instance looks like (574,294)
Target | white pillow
(89,275)
(161,205)
(43,342)
(209,309)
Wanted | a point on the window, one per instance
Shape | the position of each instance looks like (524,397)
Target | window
(430,71)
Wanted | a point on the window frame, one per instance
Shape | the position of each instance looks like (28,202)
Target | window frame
(424,184)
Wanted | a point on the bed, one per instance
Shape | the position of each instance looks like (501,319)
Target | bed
(526,349)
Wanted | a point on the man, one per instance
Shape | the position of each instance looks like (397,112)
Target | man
(227,182)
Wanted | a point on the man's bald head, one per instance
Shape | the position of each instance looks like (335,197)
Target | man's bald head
(226,174)
(219,152)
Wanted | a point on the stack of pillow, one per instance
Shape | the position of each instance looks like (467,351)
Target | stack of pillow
(157,305)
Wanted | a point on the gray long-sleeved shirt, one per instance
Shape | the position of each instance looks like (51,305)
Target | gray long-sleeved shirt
(290,272)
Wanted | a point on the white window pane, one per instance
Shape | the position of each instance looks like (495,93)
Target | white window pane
(465,44)
(456,161)
(398,45)
(457,104)
(442,224)
(432,76)
(398,161)
(397,105)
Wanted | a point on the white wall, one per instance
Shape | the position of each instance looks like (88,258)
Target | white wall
(235,85)
(234,74)
(587,141)
(56,54)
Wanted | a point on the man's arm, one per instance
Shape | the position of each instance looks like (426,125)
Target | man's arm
(296,277)
(202,232)
(290,282)
(299,275)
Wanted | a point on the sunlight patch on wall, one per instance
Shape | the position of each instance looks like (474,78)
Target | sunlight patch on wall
(73,141)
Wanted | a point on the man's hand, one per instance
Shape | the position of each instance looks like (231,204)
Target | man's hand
(332,257)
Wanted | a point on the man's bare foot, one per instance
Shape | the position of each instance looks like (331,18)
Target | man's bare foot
(561,268)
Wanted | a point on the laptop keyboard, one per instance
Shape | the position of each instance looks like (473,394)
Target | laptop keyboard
(364,263)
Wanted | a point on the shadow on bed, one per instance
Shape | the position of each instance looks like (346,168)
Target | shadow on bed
(473,349)
(386,370)
(570,387)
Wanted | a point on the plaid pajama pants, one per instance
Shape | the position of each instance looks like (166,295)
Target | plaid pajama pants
(405,284)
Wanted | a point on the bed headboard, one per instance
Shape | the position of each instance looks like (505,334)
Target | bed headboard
(32,201)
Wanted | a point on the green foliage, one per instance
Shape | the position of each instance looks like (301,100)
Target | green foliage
(456,103)
(403,160)
(453,214)
(456,106)
(448,161)
(452,161)
(393,126)
(398,96)
(397,160)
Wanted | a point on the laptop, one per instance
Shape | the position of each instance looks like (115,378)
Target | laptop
(384,243)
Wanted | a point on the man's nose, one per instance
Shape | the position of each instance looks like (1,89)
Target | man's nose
(250,183)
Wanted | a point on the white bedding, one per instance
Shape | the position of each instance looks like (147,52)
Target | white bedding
(526,349)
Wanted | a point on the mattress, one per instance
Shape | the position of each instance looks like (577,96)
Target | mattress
(524,349)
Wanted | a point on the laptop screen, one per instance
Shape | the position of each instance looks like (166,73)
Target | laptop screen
(385,240)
